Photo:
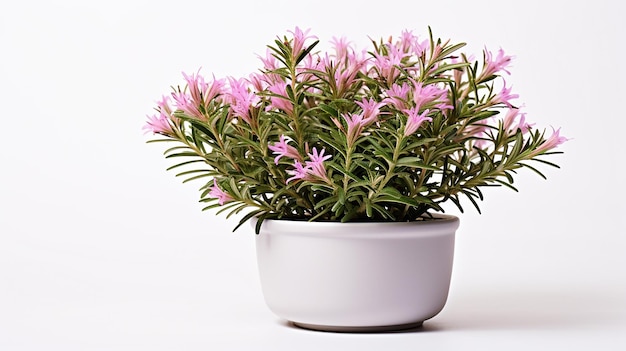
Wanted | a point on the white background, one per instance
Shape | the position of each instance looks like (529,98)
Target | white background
(102,249)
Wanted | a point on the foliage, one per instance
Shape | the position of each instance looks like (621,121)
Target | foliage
(382,135)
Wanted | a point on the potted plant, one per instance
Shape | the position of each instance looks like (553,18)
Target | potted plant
(342,159)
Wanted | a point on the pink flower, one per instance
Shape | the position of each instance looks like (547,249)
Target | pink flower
(493,66)
(219,194)
(316,165)
(299,37)
(552,142)
(283,149)
(312,170)
(410,43)
(343,72)
(358,121)
(300,172)
(196,86)
(158,124)
(215,88)
(504,96)
(371,110)
(161,123)
(269,62)
(430,93)
(355,125)
(398,95)
(510,123)
(185,103)
(308,64)
(345,77)
(415,120)
(385,65)
(341,46)
(242,99)
(280,100)
(199,94)
(164,105)
(256,81)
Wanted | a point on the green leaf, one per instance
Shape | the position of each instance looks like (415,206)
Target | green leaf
(341,170)
(306,51)
(533,169)
(402,200)
(227,206)
(506,184)
(183,164)
(247,217)
(341,196)
(325,202)
(414,162)
(420,142)
(183,154)
(447,67)
(212,206)
(471,196)
(329,110)
(392,192)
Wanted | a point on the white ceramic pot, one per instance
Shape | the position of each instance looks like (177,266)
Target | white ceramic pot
(356,276)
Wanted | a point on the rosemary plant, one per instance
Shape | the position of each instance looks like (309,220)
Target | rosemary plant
(385,134)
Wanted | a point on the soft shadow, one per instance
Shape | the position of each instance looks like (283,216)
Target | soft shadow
(426,327)
(517,310)
(520,309)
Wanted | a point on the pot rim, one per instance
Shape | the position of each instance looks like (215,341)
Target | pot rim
(439,225)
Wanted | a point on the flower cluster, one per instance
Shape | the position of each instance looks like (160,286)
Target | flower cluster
(387,134)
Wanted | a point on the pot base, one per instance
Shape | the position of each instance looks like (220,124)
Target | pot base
(369,329)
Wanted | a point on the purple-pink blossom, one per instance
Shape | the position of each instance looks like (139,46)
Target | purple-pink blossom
(345,77)
(304,71)
(371,110)
(217,193)
(299,171)
(313,169)
(430,93)
(269,61)
(316,163)
(415,120)
(341,46)
(196,86)
(161,123)
(164,105)
(385,65)
(410,43)
(202,92)
(158,124)
(504,96)
(494,65)
(185,103)
(342,71)
(356,122)
(511,124)
(552,142)
(299,38)
(282,149)
(242,99)
(398,95)
(257,81)
(280,100)
(195,99)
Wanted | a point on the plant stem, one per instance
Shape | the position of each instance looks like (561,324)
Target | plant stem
(392,164)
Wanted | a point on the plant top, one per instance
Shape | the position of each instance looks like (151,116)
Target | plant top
(384,134)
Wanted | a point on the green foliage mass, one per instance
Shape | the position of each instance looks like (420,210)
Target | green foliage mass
(379,175)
